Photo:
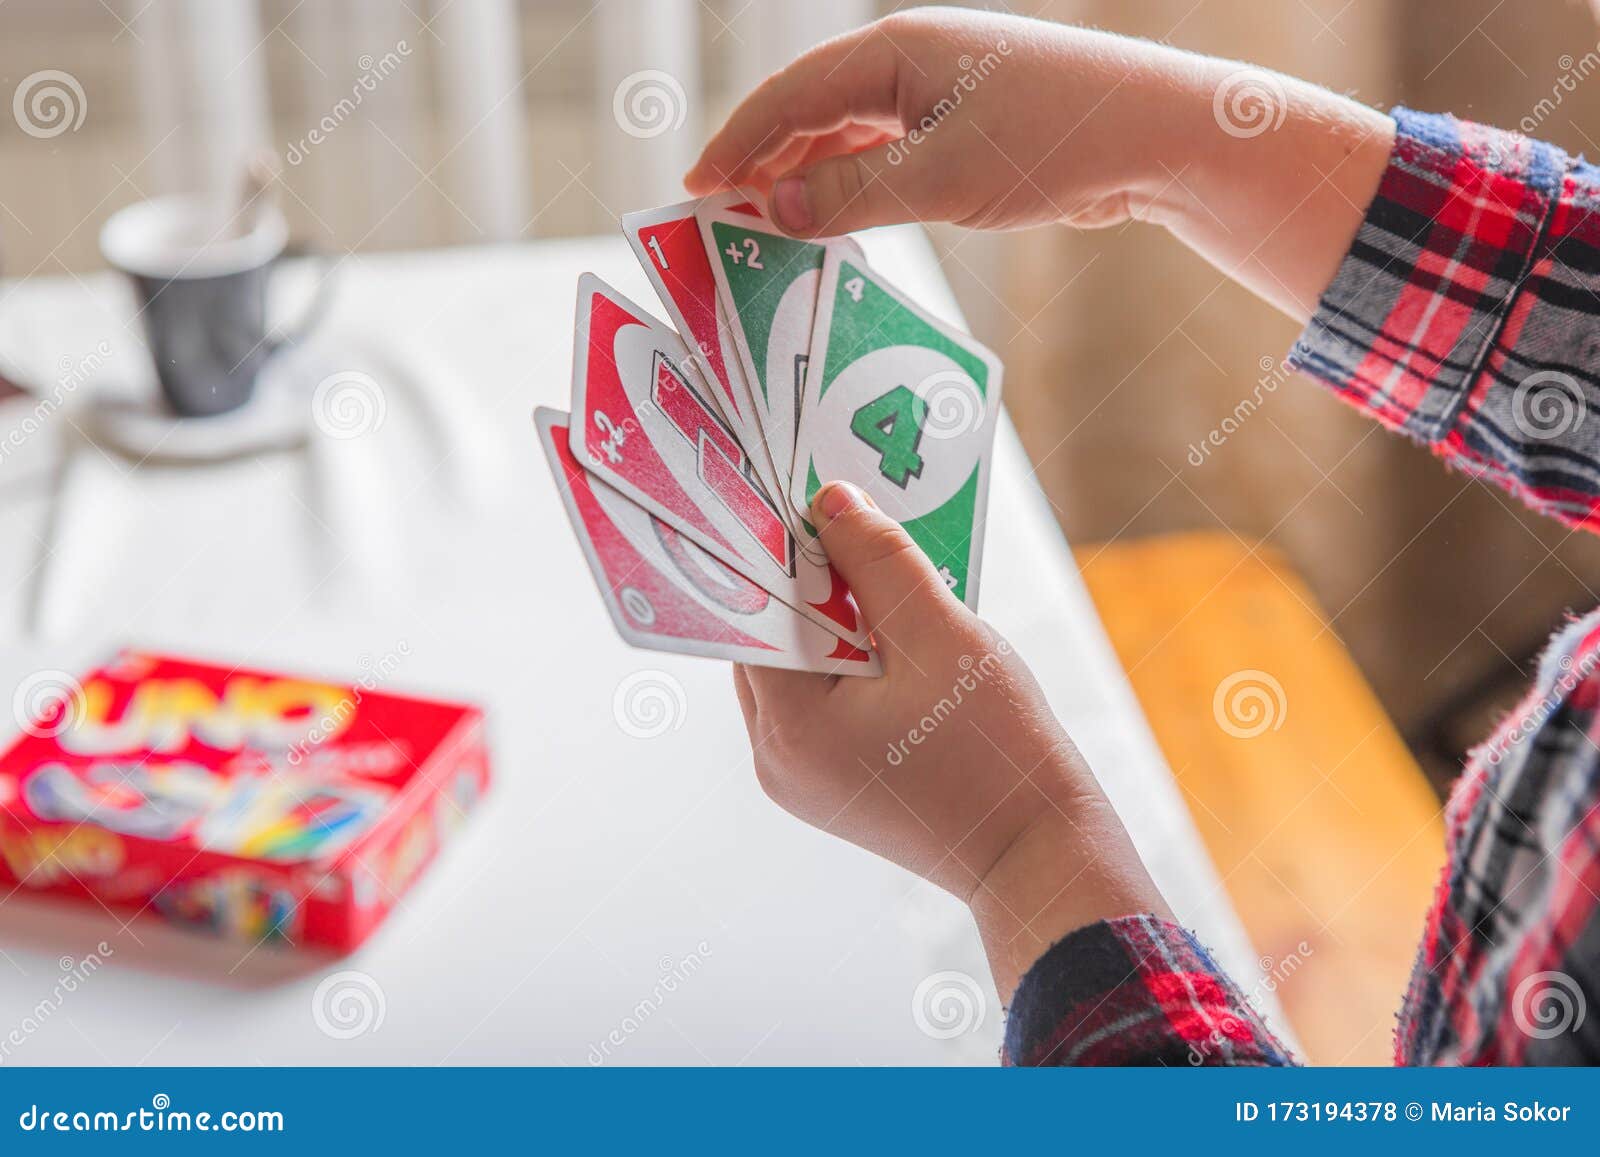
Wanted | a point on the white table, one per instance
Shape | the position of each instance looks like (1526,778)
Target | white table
(597,856)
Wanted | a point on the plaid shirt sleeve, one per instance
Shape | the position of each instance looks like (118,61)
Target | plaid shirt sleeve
(1134,991)
(1465,314)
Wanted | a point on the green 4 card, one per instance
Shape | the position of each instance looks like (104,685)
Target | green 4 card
(905,407)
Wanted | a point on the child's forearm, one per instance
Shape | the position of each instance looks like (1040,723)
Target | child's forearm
(1265,176)
(1001,122)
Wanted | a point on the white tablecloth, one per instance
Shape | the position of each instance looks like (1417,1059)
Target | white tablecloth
(598,859)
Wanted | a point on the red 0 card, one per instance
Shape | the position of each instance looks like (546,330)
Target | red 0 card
(666,594)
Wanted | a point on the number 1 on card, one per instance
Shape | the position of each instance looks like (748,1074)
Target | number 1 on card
(654,243)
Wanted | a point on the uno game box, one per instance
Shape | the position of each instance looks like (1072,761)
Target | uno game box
(258,806)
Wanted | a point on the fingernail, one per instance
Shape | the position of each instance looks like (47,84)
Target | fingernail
(834,499)
(791,208)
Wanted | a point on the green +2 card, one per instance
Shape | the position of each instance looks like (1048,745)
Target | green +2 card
(769,284)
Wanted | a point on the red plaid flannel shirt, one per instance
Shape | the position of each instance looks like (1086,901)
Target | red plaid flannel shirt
(1467,316)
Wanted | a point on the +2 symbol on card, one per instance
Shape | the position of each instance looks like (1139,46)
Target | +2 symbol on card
(615,436)
(750,254)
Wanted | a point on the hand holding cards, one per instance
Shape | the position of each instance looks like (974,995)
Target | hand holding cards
(689,461)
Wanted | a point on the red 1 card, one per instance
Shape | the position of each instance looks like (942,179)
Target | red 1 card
(668,244)
(640,426)
(666,594)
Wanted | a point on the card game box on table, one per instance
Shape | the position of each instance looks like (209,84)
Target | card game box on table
(690,458)
(255,805)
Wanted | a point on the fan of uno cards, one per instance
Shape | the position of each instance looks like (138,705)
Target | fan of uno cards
(691,455)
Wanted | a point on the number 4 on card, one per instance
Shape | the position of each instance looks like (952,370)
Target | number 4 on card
(892,425)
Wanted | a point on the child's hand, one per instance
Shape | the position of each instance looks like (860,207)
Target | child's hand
(952,764)
(998,122)
(977,107)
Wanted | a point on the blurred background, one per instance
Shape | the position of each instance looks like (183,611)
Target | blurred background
(416,123)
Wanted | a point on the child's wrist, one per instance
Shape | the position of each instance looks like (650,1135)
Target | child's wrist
(1267,177)
(1068,869)
(1162,98)
(1222,144)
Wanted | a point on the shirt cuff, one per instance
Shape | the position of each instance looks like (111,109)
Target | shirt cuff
(1136,990)
(1413,312)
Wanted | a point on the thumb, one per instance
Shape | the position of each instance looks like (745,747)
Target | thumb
(894,583)
(884,186)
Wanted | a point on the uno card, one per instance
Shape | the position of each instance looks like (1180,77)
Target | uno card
(905,407)
(666,594)
(768,282)
(640,425)
(667,243)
